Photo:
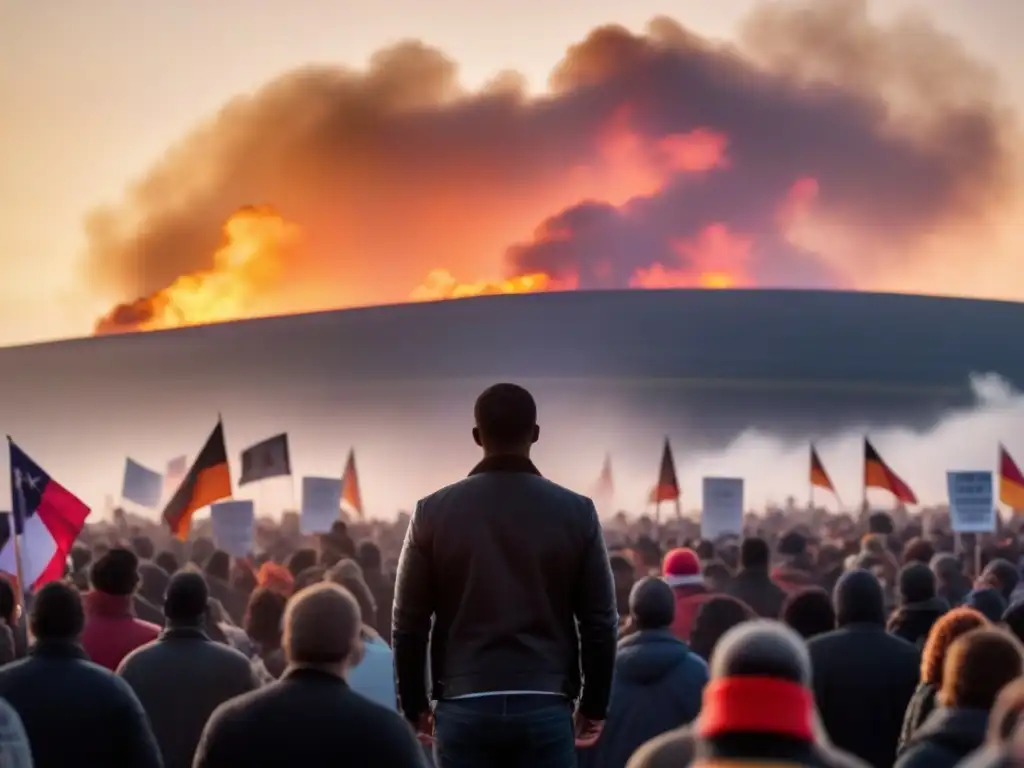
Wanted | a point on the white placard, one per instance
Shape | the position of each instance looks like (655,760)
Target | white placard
(722,508)
(321,504)
(971,502)
(234,524)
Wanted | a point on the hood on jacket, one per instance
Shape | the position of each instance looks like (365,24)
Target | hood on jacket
(859,599)
(647,657)
(958,730)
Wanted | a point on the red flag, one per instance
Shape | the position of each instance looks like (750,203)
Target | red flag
(350,493)
(877,474)
(1011,481)
(819,477)
(667,488)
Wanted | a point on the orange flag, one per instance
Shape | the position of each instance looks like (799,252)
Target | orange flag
(819,477)
(667,488)
(350,493)
(1011,481)
(877,474)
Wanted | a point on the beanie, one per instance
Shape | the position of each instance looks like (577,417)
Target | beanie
(682,568)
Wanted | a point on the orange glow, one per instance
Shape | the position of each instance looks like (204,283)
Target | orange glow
(715,259)
(246,267)
(440,284)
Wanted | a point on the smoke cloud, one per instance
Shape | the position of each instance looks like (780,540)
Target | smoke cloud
(819,149)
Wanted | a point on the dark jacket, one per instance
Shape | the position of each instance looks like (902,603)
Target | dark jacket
(914,621)
(308,718)
(513,571)
(947,737)
(75,712)
(383,591)
(657,686)
(863,678)
(922,704)
(180,680)
(755,588)
(234,602)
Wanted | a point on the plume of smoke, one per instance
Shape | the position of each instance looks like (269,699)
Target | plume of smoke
(822,149)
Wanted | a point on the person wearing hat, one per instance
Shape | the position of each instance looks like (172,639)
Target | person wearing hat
(682,571)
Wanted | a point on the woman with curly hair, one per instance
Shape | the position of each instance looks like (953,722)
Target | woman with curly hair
(944,632)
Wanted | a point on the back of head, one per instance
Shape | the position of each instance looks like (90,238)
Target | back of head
(1003,575)
(858,599)
(652,604)
(988,602)
(506,419)
(916,583)
(57,614)
(881,523)
(1013,619)
(714,618)
(942,635)
(349,575)
(918,550)
(369,557)
(309,577)
(809,612)
(218,565)
(946,566)
(264,615)
(116,572)
(755,553)
(793,544)
(202,548)
(978,666)
(321,625)
(1006,712)
(759,661)
(143,546)
(186,599)
(302,559)
(167,561)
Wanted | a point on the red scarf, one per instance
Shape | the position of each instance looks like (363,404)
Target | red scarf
(756,705)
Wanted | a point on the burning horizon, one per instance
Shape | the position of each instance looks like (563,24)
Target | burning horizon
(819,150)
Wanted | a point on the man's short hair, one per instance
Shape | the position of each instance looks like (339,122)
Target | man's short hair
(505,414)
(652,604)
(322,624)
(57,613)
(187,596)
(754,553)
(116,572)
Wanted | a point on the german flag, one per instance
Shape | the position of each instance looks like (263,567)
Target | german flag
(1011,481)
(877,474)
(819,477)
(207,480)
(350,493)
(667,488)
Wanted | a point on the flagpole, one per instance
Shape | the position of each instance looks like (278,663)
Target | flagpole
(18,565)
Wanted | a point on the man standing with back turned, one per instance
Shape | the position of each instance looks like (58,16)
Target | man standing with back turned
(512,569)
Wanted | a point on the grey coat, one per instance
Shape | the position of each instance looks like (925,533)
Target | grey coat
(180,679)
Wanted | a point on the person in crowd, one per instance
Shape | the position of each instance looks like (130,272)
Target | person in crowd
(301,560)
(753,584)
(758,709)
(112,630)
(658,681)
(952,585)
(1004,723)
(167,561)
(75,713)
(1013,619)
(309,577)
(505,576)
(918,550)
(311,714)
(978,666)
(184,675)
(381,587)
(276,577)
(919,606)
(263,624)
(143,547)
(717,576)
(10,613)
(152,588)
(796,570)
(373,676)
(243,577)
(1002,576)
(809,612)
(200,551)
(987,601)
(623,576)
(682,571)
(218,576)
(945,631)
(863,676)
(716,617)
(15,751)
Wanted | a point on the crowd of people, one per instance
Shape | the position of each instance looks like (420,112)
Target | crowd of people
(501,624)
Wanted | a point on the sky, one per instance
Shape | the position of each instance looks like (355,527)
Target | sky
(95,93)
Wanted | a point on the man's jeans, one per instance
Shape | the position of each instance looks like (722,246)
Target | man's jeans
(527,730)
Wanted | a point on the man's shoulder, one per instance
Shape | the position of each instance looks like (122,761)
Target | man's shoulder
(482,482)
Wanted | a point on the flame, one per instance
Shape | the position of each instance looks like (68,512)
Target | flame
(245,268)
(715,259)
(440,284)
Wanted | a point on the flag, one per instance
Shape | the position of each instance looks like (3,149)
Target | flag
(604,488)
(667,488)
(1011,481)
(207,480)
(174,474)
(877,474)
(265,460)
(819,477)
(141,485)
(47,519)
(350,493)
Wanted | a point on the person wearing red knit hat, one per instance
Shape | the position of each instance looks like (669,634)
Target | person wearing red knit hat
(681,570)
